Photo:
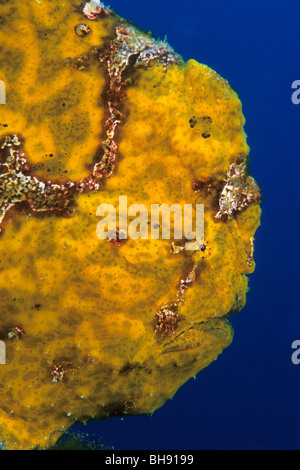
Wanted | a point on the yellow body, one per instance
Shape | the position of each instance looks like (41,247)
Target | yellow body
(89,346)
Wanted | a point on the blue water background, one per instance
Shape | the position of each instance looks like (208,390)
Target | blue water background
(250,397)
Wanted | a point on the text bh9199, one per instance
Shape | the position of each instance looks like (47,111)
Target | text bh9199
(151,459)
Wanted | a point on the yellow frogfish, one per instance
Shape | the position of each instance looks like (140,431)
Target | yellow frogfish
(94,109)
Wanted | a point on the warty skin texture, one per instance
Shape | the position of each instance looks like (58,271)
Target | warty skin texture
(97,109)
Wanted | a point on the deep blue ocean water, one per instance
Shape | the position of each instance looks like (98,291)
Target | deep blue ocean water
(250,397)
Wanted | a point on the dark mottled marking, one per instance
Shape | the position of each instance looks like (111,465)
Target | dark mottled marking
(12,62)
(82,30)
